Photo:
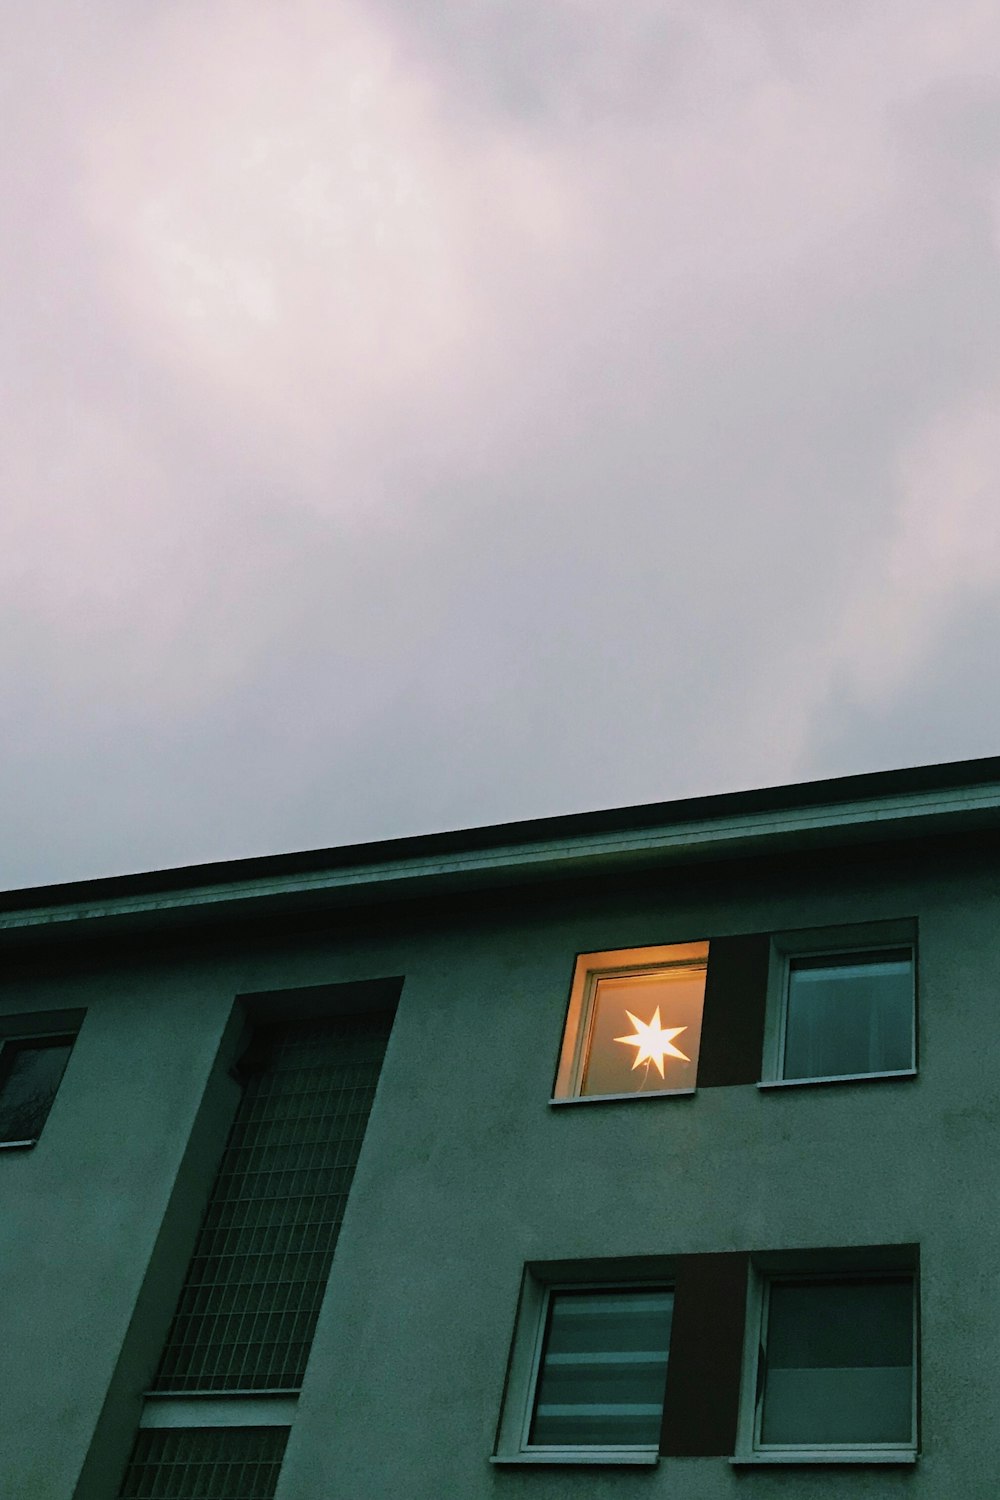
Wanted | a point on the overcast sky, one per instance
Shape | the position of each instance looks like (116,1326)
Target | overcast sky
(427,413)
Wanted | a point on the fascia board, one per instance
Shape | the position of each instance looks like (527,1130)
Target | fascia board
(866,821)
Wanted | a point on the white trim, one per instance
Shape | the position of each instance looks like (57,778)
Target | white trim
(18,1145)
(217,1411)
(797,1083)
(648,1456)
(538,1344)
(610,1098)
(828,1456)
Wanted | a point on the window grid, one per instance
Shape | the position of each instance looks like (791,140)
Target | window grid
(248,1309)
(205,1463)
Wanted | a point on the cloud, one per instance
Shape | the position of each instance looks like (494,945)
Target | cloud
(420,415)
(298,236)
(945,552)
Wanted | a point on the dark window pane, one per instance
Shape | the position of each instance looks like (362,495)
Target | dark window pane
(205,1463)
(839,1363)
(603,1369)
(849,1015)
(247,1312)
(30,1073)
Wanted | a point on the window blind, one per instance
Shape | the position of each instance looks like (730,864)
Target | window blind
(603,1368)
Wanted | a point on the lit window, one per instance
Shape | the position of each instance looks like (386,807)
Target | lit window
(843,1010)
(31,1069)
(836,1368)
(588,1374)
(634,1023)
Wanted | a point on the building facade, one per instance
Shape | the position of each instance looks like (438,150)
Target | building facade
(647,1152)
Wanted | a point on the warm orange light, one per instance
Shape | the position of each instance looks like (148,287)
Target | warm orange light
(653,1042)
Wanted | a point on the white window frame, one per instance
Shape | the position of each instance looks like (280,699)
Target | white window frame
(833,943)
(614,963)
(888,1263)
(525,1361)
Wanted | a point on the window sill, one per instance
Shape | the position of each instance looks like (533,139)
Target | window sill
(612,1098)
(18,1145)
(798,1083)
(606,1456)
(831,1456)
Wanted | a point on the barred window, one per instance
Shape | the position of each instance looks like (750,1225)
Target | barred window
(248,1309)
(247,1312)
(226,1463)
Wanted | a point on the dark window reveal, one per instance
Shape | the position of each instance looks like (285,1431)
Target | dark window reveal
(247,1312)
(30,1073)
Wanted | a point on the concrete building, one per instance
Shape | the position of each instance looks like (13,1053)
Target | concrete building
(657,1148)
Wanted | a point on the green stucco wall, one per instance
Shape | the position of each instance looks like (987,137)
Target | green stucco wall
(467,1172)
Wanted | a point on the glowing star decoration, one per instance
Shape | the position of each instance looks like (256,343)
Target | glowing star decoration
(652,1041)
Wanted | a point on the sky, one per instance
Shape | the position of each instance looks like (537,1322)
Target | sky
(419,414)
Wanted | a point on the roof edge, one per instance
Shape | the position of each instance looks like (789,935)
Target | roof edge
(873,805)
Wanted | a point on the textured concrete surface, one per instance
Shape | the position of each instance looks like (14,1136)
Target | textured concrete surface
(467,1172)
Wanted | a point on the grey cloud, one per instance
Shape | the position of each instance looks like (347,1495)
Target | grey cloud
(709,287)
(949,711)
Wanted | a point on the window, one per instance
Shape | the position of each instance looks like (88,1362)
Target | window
(248,1308)
(602,1369)
(634,1023)
(228,1463)
(840,1010)
(31,1069)
(588,1373)
(835,1373)
(223,1400)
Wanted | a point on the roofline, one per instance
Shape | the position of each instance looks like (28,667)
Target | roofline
(874,806)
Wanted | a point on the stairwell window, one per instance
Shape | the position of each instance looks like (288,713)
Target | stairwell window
(222,1403)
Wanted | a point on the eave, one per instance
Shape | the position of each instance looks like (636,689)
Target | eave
(883,807)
